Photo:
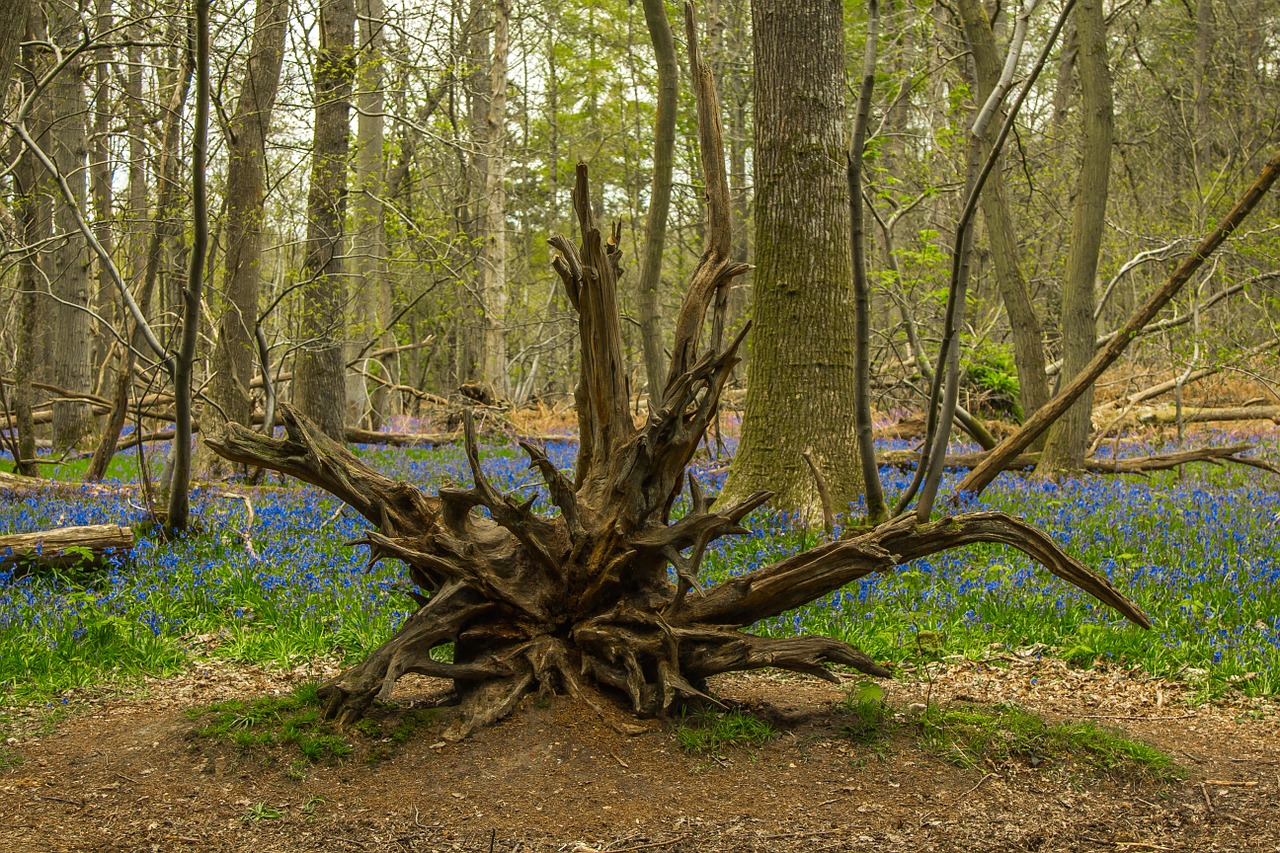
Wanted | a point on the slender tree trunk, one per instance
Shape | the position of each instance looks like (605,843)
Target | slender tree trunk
(469,333)
(318,376)
(178,509)
(802,363)
(35,217)
(1204,84)
(1069,439)
(138,220)
(655,232)
(235,355)
(493,265)
(100,184)
(370,237)
(1028,343)
(72,367)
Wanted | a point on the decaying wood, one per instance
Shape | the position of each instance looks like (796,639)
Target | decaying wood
(1134,465)
(1199,415)
(64,546)
(605,595)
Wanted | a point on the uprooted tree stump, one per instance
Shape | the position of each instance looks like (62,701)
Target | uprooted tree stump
(603,597)
(585,598)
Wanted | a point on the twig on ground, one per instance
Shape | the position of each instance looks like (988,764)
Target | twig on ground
(977,786)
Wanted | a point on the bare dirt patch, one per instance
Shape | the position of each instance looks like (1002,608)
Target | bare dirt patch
(126,774)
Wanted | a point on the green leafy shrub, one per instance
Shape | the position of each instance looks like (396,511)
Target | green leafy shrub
(992,377)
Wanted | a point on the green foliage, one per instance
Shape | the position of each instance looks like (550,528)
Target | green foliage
(992,376)
(974,736)
(261,811)
(869,716)
(269,721)
(708,731)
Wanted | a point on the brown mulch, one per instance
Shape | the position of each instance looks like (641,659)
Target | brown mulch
(125,774)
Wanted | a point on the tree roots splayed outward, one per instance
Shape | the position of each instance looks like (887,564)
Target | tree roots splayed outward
(584,600)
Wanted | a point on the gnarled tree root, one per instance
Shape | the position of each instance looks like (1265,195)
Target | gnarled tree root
(604,596)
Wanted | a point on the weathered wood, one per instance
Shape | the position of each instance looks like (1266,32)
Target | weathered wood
(1133,465)
(585,599)
(64,546)
(1198,415)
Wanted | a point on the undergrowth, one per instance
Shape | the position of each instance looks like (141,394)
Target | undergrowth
(709,731)
(269,721)
(970,735)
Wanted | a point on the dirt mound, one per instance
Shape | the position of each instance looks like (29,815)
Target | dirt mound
(127,774)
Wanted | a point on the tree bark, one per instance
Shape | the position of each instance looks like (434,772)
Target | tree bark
(177,510)
(14,12)
(35,219)
(1069,439)
(802,351)
(235,354)
(64,546)
(493,260)
(655,228)
(319,384)
(72,365)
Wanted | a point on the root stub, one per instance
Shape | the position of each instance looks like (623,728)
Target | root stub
(585,602)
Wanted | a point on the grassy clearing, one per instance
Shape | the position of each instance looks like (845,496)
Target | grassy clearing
(1200,553)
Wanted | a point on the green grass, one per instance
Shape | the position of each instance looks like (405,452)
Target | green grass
(708,731)
(271,721)
(970,736)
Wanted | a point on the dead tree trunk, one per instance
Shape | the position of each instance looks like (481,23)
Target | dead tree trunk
(585,600)
(64,547)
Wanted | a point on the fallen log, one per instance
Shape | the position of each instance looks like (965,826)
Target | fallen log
(64,547)
(1134,465)
(1197,415)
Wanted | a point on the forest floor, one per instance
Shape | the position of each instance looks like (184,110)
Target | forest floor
(127,773)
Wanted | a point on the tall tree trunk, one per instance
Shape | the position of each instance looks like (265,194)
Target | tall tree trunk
(1069,439)
(493,265)
(476,25)
(139,224)
(369,240)
(1028,343)
(655,231)
(100,185)
(235,354)
(178,509)
(35,217)
(318,375)
(802,363)
(14,13)
(1204,84)
(72,367)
